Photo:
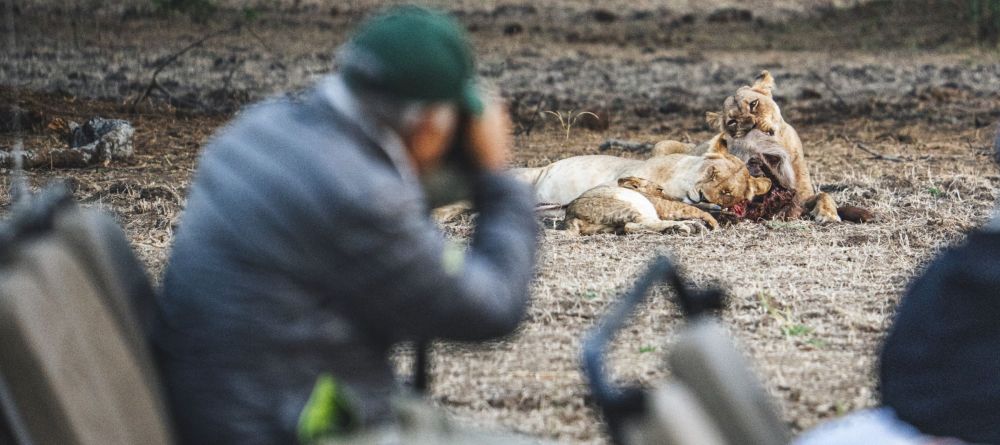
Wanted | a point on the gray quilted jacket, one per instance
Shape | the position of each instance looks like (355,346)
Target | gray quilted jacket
(305,248)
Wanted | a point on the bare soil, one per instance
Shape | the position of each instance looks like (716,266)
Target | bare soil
(809,303)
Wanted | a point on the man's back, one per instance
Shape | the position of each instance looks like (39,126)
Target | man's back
(303,251)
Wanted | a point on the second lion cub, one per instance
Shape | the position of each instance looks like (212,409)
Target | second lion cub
(634,205)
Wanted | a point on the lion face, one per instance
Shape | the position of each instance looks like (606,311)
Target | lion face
(751,107)
(725,179)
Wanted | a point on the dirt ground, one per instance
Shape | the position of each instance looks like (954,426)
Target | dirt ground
(808,303)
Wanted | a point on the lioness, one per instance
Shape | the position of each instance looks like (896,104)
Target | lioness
(628,207)
(715,177)
(753,108)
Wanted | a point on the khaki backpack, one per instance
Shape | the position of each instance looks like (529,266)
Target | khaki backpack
(75,364)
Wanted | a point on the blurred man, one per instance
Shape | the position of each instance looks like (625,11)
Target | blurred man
(305,250)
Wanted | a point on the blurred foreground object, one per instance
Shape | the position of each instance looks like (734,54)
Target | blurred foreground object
(421,423)
(940,365)
(75,365)
(715,400)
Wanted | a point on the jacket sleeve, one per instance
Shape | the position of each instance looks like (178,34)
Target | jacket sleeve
(397,274)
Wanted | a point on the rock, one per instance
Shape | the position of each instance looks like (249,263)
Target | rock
(638,147)
(104,139)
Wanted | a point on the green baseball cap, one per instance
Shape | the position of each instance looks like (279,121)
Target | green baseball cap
(413,53)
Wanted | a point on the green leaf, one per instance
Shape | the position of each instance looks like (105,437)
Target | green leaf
(796,330)
(816,343)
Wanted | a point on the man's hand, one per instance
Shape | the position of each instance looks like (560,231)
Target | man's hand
(490,137)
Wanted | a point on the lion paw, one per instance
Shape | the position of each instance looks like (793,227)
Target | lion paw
(824,209)
(824,216)
(686,227)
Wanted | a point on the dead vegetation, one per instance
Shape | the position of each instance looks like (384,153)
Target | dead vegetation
(809,303)
(905,134)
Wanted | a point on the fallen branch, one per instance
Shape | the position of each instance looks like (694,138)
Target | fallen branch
(154,85)
(878,155)
(54,158)
(875,155)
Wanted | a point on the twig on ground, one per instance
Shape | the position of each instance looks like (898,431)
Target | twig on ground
(154,85)
(259,39)
(526,129)
(875,155)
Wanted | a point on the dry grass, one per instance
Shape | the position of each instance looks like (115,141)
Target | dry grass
(809,303)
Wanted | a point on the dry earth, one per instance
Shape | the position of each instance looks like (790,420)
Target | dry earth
(809,303)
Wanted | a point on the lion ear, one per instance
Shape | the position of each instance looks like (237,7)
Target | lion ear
(720,146)
(629,182)
(714,120)
(764,83)
(761,185)
(712,173)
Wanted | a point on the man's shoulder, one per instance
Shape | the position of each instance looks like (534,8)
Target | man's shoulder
(283,131)
(290,149)
(279,117)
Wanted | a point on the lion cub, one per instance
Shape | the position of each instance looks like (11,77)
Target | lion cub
(667,209)
(635,205)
